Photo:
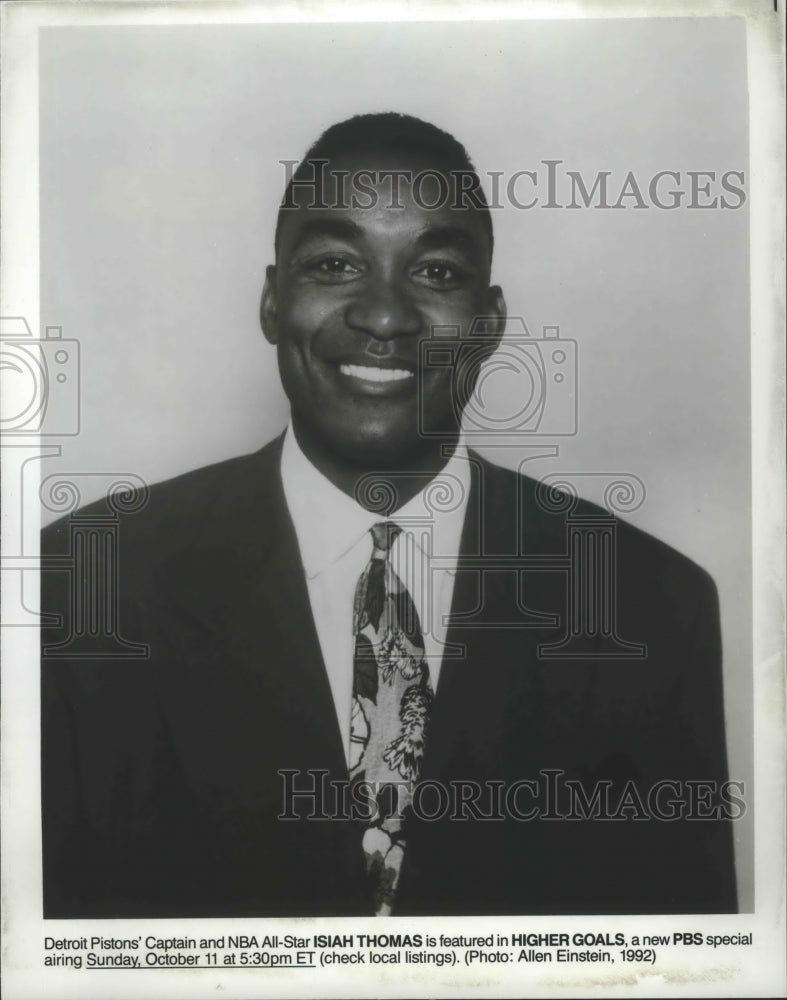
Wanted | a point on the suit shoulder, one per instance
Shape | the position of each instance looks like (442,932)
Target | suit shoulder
(174,508)
(548,513)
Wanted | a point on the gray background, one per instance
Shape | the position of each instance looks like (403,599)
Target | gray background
(160,180)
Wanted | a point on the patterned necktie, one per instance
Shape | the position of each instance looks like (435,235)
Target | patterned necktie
(392,697)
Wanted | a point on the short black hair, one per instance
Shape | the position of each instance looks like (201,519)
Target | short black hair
(390,130)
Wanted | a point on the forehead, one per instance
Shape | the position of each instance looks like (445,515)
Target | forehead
(395,195)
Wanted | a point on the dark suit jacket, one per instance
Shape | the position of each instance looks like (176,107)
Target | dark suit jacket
(160,776)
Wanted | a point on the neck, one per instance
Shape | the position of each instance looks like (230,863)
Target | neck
(387,483)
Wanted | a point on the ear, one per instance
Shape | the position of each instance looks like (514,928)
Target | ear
(497,309)
(268,318)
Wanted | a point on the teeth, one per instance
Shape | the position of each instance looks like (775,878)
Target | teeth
(371,374)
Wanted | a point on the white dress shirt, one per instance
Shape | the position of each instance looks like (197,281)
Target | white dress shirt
(335,543)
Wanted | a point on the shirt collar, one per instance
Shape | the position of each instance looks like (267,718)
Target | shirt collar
(328,522)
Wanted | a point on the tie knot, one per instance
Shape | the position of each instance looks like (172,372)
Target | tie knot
(383,536)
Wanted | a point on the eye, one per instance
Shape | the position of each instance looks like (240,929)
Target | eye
(440,274)
(331,268)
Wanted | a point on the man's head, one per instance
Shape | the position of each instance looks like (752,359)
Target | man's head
(383,235)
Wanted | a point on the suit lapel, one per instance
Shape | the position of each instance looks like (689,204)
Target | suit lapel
(501,681)
(256,666)
(465,715)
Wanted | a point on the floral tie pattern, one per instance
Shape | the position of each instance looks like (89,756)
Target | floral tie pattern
(392,697)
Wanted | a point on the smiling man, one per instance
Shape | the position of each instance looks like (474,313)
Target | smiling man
(362,278)
(361,694)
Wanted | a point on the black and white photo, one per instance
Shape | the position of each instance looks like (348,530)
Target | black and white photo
(394,409)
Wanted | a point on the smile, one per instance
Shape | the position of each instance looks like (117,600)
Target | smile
(370,373)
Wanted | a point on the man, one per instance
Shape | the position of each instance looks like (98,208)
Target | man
(375,683)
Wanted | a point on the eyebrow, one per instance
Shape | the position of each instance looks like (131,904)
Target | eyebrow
(432,238)
(441,236)
(338,228)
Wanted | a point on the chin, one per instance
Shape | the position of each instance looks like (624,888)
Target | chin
(370,452)
(363,444)
(389,452)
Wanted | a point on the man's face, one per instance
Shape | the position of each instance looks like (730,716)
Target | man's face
(354,293)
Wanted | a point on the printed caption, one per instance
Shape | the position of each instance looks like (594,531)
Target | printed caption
(269,951)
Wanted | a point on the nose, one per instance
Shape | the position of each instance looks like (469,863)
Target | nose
(383,310)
